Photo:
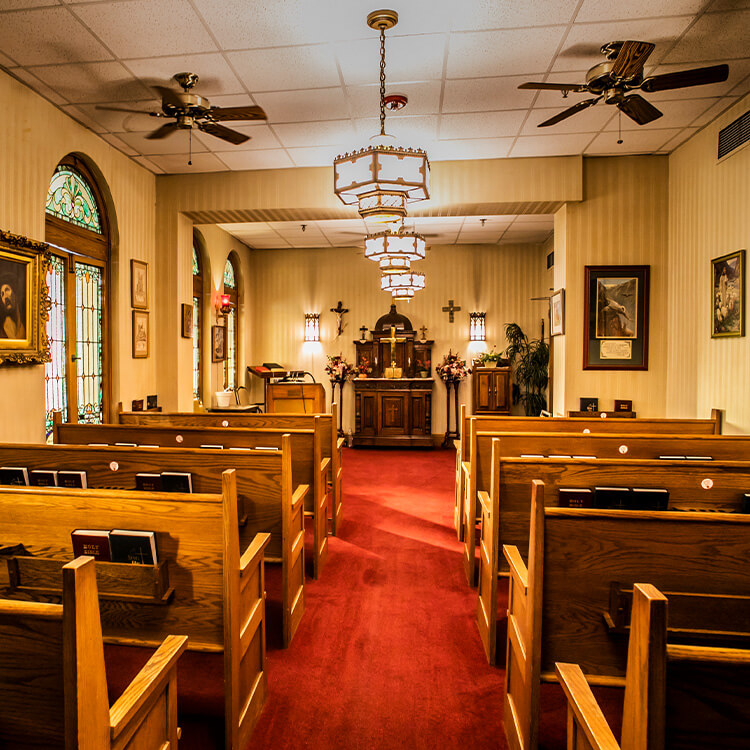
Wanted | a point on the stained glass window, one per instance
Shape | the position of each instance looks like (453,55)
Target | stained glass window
(89,343)
(70,198)
(196,263)
(196,347)
(55,371)
(229,275)
(230,288)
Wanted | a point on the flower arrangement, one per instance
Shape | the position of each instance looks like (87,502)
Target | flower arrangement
(364,367)
(423,366)
(453,368)
(491,356)
(338,369)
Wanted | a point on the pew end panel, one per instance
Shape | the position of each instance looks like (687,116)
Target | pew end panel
(458,518)
(293,543)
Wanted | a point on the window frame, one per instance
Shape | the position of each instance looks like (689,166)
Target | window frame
(234,299)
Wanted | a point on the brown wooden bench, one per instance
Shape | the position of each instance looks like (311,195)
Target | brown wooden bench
(266,498)
(584,425)
(308,465)
(53,687)
(680,697)
(564,607)
(478,469)
(331,447)
(214,585)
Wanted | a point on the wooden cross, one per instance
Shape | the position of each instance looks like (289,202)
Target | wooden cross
(423,329)
(393,340)
(363,331)
(450,309)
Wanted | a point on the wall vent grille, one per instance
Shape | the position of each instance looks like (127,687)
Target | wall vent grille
(734,135)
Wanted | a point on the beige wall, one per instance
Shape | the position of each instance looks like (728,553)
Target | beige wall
(622,220)
(33,138)
(709,216)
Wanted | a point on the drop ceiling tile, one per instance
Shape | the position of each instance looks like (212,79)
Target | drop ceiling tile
(477,237)
(275,158)
(739,70)
(215,75)
(492,14)
(505,52)
(470,148)
(314,156)
(486,94)
(677,114)
(261,137)
(78,114)
(116,122)
(232,100)
(581,48)
(590,120)
(177,163)
(414,131)
(550,145)
(424,98)
(414,16)
(609,10)
(52,94)
(144,161)
(303,106)
(58,37)
(20,4)
(714,111)
(436,222)
(6,61)
(246,228)
(334,133)
(119,144)
(447,239)
(683,135)
(715,36)
(481,124)
(286,68)
(491,223)
(143,28)
(634,141)
(719,5)
(265,243)
(177,143)
(408,58)
(92,82)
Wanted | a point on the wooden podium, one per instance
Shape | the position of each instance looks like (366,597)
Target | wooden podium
(295,398)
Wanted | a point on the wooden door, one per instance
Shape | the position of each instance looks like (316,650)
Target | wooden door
(419,414)
(483,387)
(500,390)
(393,412)
(366,413)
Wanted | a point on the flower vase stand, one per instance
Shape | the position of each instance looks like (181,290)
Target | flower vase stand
(451,386)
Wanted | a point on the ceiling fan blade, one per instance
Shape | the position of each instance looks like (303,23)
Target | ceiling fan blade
(578,87)
(226,114)
(167,129)
(569,112)
(129,111)
(638,109)
(168,96)
(213,128)
(630,59)
(683,78)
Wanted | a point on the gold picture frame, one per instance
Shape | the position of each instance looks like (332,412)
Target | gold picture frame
(141,334)
(728,295)
(139,284)
(24,300)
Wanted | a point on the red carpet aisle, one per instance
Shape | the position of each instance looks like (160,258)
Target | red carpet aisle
(388,654)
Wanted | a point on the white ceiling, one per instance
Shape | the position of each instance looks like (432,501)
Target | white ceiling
(313,66)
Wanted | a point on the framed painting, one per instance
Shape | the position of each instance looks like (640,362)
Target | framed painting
(615,328)
(728,295)
(24,300)
(557,313)
(218,343)
(187,321)
(138,284)
(140,334)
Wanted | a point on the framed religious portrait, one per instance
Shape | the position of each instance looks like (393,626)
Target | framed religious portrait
(615,328)
(218,343)
(140,334)
(138,284)
(187,321)
(728,295)
(557,313)
(24,300)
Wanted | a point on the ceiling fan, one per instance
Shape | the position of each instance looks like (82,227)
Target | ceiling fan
(623,72)
(190,110)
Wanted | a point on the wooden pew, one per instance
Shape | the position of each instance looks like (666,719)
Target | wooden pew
(626,445)
(498,424)
(331,448)
(308,465)
(561,606)
(266,499)
(217,596)
(53,685)
(681,697)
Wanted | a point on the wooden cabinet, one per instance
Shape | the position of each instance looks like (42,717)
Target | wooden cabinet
(491,390)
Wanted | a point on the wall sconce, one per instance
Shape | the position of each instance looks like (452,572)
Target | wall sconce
(312,326)
(477,331)
(224,305)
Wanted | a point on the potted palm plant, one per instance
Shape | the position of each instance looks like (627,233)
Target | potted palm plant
(529,359)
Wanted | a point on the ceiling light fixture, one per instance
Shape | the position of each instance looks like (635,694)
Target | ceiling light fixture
(394,250)
(383,176)
(402,285)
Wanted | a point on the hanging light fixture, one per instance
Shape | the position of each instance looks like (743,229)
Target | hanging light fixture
(395,251)
(402,285)
(382,177)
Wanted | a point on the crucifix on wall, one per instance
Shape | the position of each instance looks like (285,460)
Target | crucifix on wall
(340,310)
(423,330)
(451,309)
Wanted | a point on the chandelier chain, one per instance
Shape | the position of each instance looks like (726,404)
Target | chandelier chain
(382,80)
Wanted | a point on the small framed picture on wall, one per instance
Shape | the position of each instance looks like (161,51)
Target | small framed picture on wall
(140,334)
(218,343)
(187,321)
(728,295)
(138,284)
(557,313)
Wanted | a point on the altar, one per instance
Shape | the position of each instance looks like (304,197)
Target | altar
(394,411)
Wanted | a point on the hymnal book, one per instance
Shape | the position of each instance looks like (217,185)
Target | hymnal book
(699,458)
(176,481)
(672,458)
(647,498)
(98,445)
(72,479)
(136,547)
(532,455)
(617,498)
(127,445)
(143,445)
(148,482)
(43,478)
(571,497)
(15,475)
(221,447)
(92,542)
(239,448)
(558,455)
(584,456)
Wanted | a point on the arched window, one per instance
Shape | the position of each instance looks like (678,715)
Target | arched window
(230,288)
(76,225)
(197,321)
